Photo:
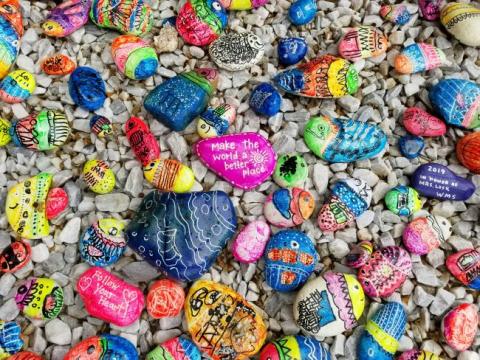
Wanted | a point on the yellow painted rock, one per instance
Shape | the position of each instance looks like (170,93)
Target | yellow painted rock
(40,298)
(98,176)
(18,86)
(5,137)
(169,175)
(463,22)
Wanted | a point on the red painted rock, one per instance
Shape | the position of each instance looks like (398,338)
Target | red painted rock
(424,234)
(465,266)
(142,141)
(15,256)
(419,122)
(165,299)
(250,243)
(459,326)
(25,355)
(468,152)
(58,65)
(57,202)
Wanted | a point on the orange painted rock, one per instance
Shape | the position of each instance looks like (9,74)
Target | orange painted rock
(58,65)
(468,152)
(165,299)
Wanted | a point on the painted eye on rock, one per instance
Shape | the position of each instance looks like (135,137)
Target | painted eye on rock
(216,6)
(91,349)
(295,245)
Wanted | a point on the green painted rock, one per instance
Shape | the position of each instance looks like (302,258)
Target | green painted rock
(403,200)
(291,170)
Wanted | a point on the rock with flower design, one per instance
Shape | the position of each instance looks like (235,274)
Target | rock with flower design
(288,207)
(419,57)
(465,266)
(250,243)
(67,18)
(17,87)
(424,234)
(460,326)
(362,43)
(462,21)
(397,14)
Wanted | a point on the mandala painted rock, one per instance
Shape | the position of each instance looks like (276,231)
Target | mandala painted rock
(265,100)
(134,57)
(200,22)
(290,258)
(380,339)
(182,234)
(109,298)
(463,22)
(359,255)
(40,298)
(424,234)
(468,152)
(362,43)
(142,141)
(291,50)
(17,87)
(301,12)
(169,175)
(10,340)
(242,4)
(419,57)
(215,309)
(350,198)
(250,243)
(337,140)
(57,202)
(460,325)
(326,76)
(25,355)
(179,348)
(215,121)
(101,126)
(397,14)
(418,122)
(67,18)
(103,347)
(439,182)
(165,299)
(58,65)
(245,160)
(11,30)
(465,266)
(329,305)
(430,9)
(179,100)
(291,170)
(457,101)
(403,200)
(411,146)
(15,256)
(98,176)
(236,51)
(295,348)
(87,88)
(385,271)
(418,355)
(288,207)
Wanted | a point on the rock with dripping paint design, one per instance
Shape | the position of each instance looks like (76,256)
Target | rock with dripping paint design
(102,346)
(250,242)
(295,347)
(288,207)
(362,43)
(424,234)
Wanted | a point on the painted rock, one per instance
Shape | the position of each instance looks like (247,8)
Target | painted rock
(459,326)
(109,298)
(179,348)
(170,231)
(217,308)
(242,4)
(250,243)
(468,152)
(397,14)
(101,126)
(17,87)
(10,340)
(457,101)
(291,50)
(98,176)
(411,146)
(25,355)
(338,140)
(439,182)
(103,347)
(418,122)
(463,22)
(245,160)
(362,43)
(465,266)
(142,141)
(169,175)
(215,121)
(403,200)
(430,9)
(179,100)
(329,305)
(265,100)
(290,258)
(40,298)
(416,354)
(291,170)
(103,243)
(134,57)
(424,234)
(359,255)
(87,88)
(66,18)
(385,271)
(301,12)
(57,202)
(295,348)
(165,299)
(288,207)
(236,51)
(380,339)
(15,256)
(5,137)
(419,57)
(59,64)
(326,76)
(200,22)
(350,198)
(11,30)
(125,16)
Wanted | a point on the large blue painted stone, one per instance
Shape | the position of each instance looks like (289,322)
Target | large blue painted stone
(265,100)
(10,340)
(301,12)
(182,234)
(291,50)
(411,146)
(87,89)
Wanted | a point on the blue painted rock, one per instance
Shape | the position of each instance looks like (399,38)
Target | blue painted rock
(288,207)
(411,146)
(460,325)
(134,57)
(265,100)
(336,140)
(462,21)
(87,88)
(416,354)
(458,102)
(379,340)
(302,12)
(295,348)
(362,42)
(66,18)
(101,126)
(179,348)
(10,340)
(439,182)
(290,258)
(11,30)
(17,87)
(397,14)
(291,50)
(419,57)
(424,234)
(102,347)
(179,100)
(182,234)
(465,266)
(419,122)
(214,122)
(403,200)
(359,254)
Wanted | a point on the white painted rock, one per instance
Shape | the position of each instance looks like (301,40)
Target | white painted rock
(463,22)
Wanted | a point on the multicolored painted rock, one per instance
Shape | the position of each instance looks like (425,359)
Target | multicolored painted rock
(15,256)
(10,340)
(419,122)
(419,57)
(101,126)
(249,245)
(339,140)
(214,122)
(385,271)
(397,14)
(179,348)
(424,234)
(134,57)
(17,87)
(350,198)
(98,176)
(40,298)
(87,89)
(170,231)
(11,30)
(165,299)
(169,175)
(245,160)
(200,22)
(301,12)
(109,298)
(25,355)
(59,64)
(430,9)
(215,313)
(411,146)
(295,348)
(326,76)
(288,207)
(66,18)
(265,100)
(291,50)
(462,21)
(457,101)
(468,152)
(291,170)
(380,339)
(242,4)
(362,43)
(57,202)
(460,325)
(416,354)
(465,266)
(403,200)
(179,100)
(103,347)
(329,305)
(359,254)
(142,141)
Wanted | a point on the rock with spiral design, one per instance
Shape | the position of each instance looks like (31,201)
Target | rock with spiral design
(11,30)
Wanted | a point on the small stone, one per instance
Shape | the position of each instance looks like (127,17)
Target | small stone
(70,232)
(349,103)
(58,332)
(114,202)
(40,253)
(167,40)
(421,297)
(430,9)
(442,302)
(142,141)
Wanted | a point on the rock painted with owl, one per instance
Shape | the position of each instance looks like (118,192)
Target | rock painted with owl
(465,266)
(288,207)
(17,87)
(39,298)
(250,242)
(179,348)
(295,347)
(215,121)
(66,18)
(362,43)
(103,347)
(10,339)
(460,325)
(291,170)
(11,31)
(424,234)
(98,176)
(165,299)
(142,141)
(15,256)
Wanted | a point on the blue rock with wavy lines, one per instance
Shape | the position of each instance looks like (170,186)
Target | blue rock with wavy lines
(10,341)
(87,88)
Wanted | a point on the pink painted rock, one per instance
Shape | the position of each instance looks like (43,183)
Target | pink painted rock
(250,243)
(245,160)
(424,234)
(459,326)
(109,298)
(418,122)
(57,202)
(359,254)
(430,9)
(465,266)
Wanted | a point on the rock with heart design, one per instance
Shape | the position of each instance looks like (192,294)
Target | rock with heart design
(103,347)
(66,18)
(397,14)
(165,299)
(179,348)
(15,256)
(109,298)
(295,347)
(169,175)
(10,339)
(462,21)
(362,43)
(291,50)
(291,170)
(87,88)
(460,326)
(17,87)
(40,298)
(59,64)
(468,152)
(424,234)
(411,146)
(359,254)
(416,354)
(430,9)
(419,57)
(419,122)
(134,57)
(250,243)
(288,207)
(143,143)
(11,30)
(98,176)
(214,122)
(465,266)
(403,200)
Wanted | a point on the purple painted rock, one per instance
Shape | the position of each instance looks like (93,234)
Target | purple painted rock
(288,207)
(439,182)
(430,9)
(465,266)
(245,160)
(418,122)
(416,354)
(67,18)
(359,255)
(460,325)
(250,243)
(424,234)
